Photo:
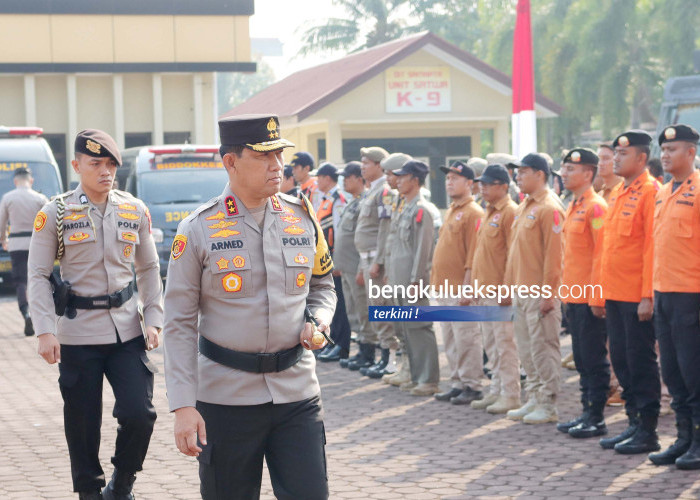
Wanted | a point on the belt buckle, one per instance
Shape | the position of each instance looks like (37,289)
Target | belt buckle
(268,362)
(115,300)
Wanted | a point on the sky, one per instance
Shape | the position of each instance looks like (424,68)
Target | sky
(282,19)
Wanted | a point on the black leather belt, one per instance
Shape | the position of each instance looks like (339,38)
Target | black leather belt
(117,299)
(22,234)
(264,362)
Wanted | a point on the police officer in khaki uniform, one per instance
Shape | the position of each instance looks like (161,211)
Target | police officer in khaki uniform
(535,259)
(18,208)
(346,260)
(370,240)
(243,269)
(98,234)
(413,247)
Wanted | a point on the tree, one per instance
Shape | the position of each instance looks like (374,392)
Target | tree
(235,88)
(369,23)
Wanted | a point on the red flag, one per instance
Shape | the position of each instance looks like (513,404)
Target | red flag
(523,84)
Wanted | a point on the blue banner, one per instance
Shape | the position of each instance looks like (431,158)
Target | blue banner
(440,313)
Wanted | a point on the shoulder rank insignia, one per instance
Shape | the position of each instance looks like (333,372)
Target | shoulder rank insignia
(276,207)
(231,207)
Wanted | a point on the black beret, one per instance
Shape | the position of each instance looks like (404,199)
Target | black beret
(679,132)
(581,155)
(632,138)
(98,144)
(460,168)
(257,132)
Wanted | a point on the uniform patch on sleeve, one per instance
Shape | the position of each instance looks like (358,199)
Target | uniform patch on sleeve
(39,221)
(179,245)
(419,215)
(556,227)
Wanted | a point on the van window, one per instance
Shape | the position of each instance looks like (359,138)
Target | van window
(45,177)
(181,186)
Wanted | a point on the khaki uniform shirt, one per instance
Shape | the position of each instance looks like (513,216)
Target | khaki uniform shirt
(606,191)
(413,245)
(99,253)
(374,221)
(396,209)
(18,209)
(244,288)
(455,245)
(345,256)
(493,242)
(536,252)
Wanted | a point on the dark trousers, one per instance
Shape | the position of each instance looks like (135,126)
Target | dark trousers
(633,356)
(340,326)
(290,437)
(677,327)
(588,340)
(18,258)
(130,373)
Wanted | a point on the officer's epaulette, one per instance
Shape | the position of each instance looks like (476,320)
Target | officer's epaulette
(419,215)
(290,198)
(62,195)
(204,206)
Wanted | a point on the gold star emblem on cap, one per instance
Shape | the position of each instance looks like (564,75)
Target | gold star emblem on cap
(576,157)
(670,133)
(623,141)
(93,146)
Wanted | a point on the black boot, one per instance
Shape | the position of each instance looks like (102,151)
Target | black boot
(119,488)
(28,326)
(91,495)
(335,354)
(609,443)
(355,357)
(448,395)
(643,440)
(690,460)
(386,368)
(684,437)
(592,425)
(380,365)
(366,359)
(565,426)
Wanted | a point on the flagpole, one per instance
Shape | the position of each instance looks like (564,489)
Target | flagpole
(523,120)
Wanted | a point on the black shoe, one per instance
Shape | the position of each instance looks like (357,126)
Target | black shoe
(336,353)
(690,460)
(643,440)
(366,358)
(345,362)
(92,495)
(119,488)
(590,427)
(387,370)
(28,327)
(380,365)
(565,426)
(684,438)
(447,395)
(609,443)
(466,397)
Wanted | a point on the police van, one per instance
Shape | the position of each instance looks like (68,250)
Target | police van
(172,181)
(24,147)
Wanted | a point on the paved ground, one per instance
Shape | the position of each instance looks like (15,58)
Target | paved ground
(382,444)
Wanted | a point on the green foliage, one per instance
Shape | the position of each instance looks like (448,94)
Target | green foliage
(235,88)
(604,61)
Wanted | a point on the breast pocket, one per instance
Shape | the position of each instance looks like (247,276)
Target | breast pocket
(81,246)
(298,263)
(128,241)
(231,274)
(625,226)
(348,224)
(404,230)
